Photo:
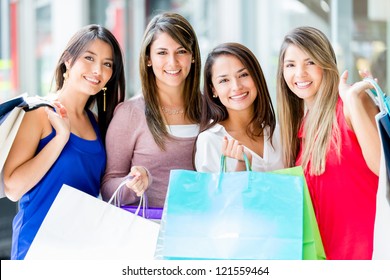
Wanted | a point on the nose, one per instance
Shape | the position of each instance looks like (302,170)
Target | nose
(236,84)
(301,71)
(172,59)
(97,69)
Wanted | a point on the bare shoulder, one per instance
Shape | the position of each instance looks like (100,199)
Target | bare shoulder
(36,122)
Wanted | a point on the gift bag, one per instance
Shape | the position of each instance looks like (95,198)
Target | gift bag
(80,226)
(11,115)
(234,215)
(313,248)
(152,213)
(382,216)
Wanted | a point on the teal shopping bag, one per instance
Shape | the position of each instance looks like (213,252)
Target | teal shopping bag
(235,215)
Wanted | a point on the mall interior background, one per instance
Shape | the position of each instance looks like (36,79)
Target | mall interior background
(33,34)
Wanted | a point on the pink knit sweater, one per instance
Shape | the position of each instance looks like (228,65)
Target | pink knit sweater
(129,142)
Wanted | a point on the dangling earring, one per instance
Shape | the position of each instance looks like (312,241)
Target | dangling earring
(104,98)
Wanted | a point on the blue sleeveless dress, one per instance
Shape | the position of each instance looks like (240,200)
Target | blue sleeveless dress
(81,165)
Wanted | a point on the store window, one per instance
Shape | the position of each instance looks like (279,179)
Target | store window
(44,43)
(358,30)
(8,50)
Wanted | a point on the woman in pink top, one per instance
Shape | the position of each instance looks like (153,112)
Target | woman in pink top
(157,129)
(328,127)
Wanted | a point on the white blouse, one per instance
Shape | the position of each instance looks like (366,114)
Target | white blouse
(209,147)
(183,131)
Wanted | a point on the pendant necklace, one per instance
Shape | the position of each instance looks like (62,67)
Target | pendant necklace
(169,111)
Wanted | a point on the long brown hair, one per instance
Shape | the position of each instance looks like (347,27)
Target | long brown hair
(182,32)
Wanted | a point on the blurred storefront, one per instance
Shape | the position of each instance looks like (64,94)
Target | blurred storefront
(33,34)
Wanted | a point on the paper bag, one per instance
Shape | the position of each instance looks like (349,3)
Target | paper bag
(382,216)
(313,248)
(80,226)
(234,215)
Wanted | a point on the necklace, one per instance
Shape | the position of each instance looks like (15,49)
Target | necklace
(169,111)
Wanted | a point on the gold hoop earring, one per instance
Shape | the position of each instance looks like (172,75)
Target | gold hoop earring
(104,98)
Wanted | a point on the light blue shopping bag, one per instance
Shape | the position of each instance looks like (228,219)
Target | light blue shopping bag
(236,215)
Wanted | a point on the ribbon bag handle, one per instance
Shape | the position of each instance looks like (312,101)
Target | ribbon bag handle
(223,163)
(116,198)
(223,169)
(384,100)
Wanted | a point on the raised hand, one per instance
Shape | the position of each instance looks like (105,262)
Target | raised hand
(59,120)
(348,92)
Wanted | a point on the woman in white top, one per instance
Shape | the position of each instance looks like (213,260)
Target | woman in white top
(237,115)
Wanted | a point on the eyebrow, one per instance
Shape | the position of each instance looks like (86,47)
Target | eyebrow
(165,49)
(239,71)
(91,52)
(291,60)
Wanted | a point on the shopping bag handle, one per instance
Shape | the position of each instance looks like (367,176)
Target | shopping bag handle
(115,199)
(384,102)
(223,163)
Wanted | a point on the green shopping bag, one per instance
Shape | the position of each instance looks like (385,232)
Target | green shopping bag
(312,242)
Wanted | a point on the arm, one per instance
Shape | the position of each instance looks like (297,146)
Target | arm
(208,152)
(360,111)
(23,169)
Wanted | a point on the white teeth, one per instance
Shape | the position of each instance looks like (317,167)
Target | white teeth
(92,80)
(239,96)
(303,84)
(172,72)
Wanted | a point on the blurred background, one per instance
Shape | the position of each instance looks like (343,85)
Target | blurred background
(33,34)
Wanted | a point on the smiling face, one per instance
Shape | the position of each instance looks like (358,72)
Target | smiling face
(233,84)
(171,62)
(301,74)
(93,69)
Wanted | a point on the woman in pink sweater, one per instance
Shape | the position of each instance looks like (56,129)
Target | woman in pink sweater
(157,129)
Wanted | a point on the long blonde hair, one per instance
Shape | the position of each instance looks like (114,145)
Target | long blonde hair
(320,130)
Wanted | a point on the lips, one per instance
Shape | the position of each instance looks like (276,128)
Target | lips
(238,97)
(172,72)
(303,84)
(92,80)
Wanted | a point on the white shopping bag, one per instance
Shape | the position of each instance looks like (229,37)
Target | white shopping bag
(382,217)
(80,226)
(11,115)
